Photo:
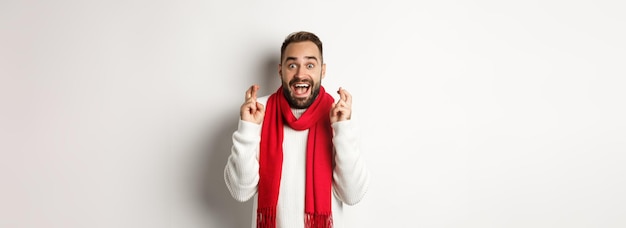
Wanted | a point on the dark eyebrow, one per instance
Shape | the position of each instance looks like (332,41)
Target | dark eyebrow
(311,57)
(306,57)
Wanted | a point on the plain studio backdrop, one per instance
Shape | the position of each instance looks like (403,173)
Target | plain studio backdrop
(471,113)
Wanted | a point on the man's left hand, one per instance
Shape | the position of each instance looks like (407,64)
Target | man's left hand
(342,110)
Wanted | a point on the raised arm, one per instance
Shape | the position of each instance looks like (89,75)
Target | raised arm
(350,176)
(241,173)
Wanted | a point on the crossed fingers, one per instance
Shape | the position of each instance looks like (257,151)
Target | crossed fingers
(251,110)
(342,110)
(251,92)
(345,98)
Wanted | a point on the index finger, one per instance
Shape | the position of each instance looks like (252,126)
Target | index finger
(251,92)
(345,95)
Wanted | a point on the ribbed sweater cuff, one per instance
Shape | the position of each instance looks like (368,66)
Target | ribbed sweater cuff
(249,129)
(342,127)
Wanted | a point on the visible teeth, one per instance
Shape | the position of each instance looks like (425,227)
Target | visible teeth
(302,85)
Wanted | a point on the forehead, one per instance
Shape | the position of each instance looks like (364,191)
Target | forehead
(302,49)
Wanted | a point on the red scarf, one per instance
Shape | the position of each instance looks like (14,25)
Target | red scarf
(319,160)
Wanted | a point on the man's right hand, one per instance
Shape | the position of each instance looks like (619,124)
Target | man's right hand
(251,110)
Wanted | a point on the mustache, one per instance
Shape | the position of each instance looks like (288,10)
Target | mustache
(294,81)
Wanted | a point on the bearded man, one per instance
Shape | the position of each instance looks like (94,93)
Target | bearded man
(296,150)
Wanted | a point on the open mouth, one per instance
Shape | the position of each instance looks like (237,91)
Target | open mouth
(301,90)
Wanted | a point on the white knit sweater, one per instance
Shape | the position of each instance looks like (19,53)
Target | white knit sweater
(350,176)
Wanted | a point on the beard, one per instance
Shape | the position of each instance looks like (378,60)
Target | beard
(301,103)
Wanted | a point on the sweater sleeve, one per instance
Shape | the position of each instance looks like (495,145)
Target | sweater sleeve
(242,168)
(350,176)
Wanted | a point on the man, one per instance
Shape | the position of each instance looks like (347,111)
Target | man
(295,151)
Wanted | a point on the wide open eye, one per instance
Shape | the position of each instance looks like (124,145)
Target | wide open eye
(292,66)
(310,65)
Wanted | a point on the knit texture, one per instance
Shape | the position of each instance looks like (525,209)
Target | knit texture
(350,176)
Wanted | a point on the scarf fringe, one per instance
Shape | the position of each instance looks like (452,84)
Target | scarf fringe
(266,217)
(318,220)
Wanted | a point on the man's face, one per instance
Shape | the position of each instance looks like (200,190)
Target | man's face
(301,72)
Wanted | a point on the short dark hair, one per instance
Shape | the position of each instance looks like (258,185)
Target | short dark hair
(300,37)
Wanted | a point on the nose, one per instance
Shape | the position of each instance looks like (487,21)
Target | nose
(299,72)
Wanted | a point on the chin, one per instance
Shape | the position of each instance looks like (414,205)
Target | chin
(301,102)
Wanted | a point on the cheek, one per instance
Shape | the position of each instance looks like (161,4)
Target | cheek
(285,79)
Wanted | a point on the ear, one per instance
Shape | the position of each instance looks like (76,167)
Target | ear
(280,71)
(323,70)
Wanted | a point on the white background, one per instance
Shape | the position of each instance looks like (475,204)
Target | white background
(472,113)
